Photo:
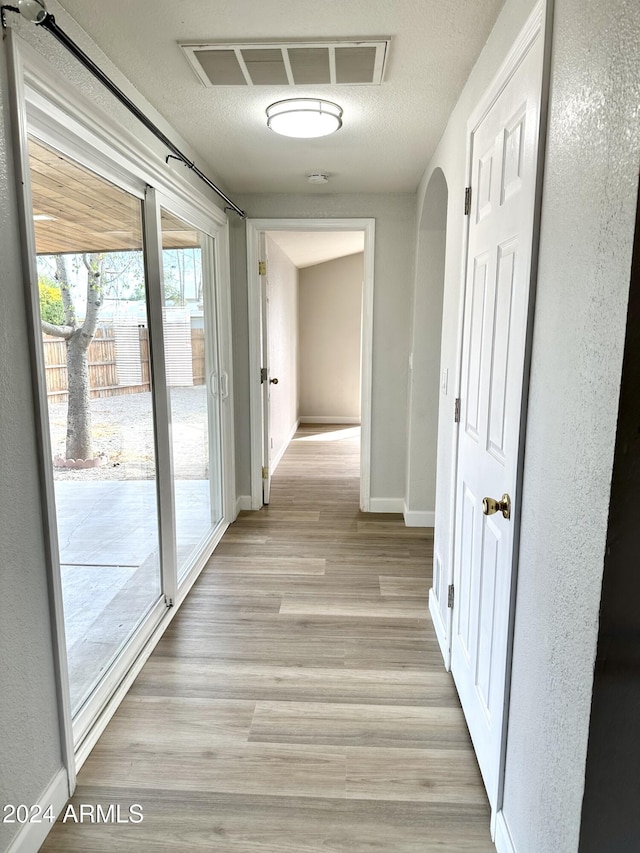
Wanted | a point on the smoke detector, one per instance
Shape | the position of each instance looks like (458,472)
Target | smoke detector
(318,178)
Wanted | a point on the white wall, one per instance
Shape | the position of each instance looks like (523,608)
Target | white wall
(588,214)
(590,186)
(394,252)
(330,317)
(424,373)
(282,276)
(30,743)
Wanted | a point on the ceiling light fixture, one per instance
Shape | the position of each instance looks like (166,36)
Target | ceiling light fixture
(318,178)
(304,118)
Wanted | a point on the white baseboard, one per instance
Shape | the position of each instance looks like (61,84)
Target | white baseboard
(415,518)
(324,419)
(32,835)
(503,840)
(275,461)
(441,631)
(386,505)
(243,502)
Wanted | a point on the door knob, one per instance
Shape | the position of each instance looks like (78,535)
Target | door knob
(273,381)
(491,505)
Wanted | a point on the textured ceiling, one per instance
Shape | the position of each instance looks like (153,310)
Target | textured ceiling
(389,131)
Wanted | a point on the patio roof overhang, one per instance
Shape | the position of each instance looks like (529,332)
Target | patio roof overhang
(76,211)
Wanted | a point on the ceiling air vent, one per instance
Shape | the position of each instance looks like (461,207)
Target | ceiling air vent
(345,63)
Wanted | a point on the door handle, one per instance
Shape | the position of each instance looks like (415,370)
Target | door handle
(491,506)
(224,386)
(273,381)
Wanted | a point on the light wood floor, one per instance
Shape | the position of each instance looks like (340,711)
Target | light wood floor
(297,702)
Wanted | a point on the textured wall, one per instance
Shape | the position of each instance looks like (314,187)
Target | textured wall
(610,814)
(330,333)
(282,275)
(394,252)
(590,188)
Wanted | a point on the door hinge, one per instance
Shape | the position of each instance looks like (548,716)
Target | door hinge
(262,267)
(263,374)
(450,596)
(456,411)
(467,201)
(265,472)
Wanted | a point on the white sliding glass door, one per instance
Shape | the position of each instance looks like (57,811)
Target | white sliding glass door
(132,401)
(93,323)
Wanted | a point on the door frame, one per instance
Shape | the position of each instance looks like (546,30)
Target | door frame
(537,26)
(265,380)
(254,229)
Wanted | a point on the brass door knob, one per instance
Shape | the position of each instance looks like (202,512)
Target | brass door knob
(491,505)
(273,381)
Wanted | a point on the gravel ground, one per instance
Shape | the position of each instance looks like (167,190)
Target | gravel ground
(123,430)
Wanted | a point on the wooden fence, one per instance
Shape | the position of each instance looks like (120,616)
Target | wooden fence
(197,356)
(103,366)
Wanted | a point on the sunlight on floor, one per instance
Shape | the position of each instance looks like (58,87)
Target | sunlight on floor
(338,435)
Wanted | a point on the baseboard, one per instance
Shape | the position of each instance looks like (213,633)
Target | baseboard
(441,631)
(386,505)
(243,502)
(31,836)
(413,518)
(324,419)
(275,461)
(503,840)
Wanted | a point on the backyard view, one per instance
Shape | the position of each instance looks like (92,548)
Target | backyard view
(98,371)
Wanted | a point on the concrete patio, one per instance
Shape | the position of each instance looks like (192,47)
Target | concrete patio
(110,565)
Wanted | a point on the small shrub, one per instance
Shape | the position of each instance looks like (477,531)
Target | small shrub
(51,307)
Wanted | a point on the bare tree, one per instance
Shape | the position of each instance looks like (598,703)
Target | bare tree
(78,337)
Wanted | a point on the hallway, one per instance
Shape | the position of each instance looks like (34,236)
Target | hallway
(297,703)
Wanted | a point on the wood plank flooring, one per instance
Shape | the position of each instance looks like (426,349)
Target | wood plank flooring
(297,702)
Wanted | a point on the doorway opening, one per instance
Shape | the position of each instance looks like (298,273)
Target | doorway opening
(310,326)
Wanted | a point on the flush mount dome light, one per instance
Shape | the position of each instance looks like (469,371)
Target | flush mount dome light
(304,118)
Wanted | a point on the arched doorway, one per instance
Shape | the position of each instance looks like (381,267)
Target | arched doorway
(425,382)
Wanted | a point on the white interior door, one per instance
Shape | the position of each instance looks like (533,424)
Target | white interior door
(504,159)
(265,376)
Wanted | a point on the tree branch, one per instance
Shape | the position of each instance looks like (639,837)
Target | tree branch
(58,331)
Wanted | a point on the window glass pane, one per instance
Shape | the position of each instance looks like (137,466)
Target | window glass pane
(191,362)
(95,335)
